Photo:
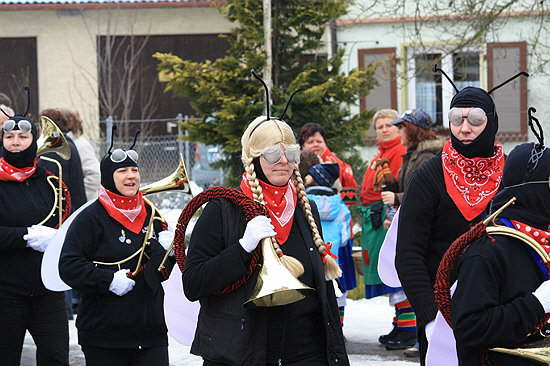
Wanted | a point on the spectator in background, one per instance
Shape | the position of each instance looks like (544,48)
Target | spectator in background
(73,178)
(335,218)
(313,137)
(381,176)
(422,144)
(72,168)
(90,163)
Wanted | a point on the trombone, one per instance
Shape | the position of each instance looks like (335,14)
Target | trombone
(51,139)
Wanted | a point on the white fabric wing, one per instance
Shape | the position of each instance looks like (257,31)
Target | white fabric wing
(50,260)
(441,342)
(386,258)
(181,315)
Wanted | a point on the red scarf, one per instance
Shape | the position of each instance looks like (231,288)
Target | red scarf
(542,237)
(280,203)
(9,173)
(471,183)
(130,212)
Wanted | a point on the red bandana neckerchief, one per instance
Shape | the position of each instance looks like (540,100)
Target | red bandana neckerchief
(471,183)
(130,212)
(280,203)
(10,173)
(542,237)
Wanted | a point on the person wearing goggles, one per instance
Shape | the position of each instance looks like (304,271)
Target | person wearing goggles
(446,196)
(301,333)
(121,315)
(27,200)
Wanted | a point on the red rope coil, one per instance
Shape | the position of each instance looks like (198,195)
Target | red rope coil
(250,209)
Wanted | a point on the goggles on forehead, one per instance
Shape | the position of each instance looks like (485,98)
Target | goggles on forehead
(273,154)
(23,125)
(119,155)
(476,116)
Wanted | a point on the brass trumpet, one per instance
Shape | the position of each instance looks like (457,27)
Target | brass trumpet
(51,139)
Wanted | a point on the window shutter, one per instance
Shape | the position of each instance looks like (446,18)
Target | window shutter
(504,60)
(384,95)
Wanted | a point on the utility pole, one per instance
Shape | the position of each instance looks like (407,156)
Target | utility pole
(268,49)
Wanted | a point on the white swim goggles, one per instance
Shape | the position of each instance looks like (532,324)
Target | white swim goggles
(22,125)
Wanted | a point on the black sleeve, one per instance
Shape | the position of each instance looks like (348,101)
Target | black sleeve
(12,238)
(75,265)
(479,319)
(152,275)
(211,262)
(413,243)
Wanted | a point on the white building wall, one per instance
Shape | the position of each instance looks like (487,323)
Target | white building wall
(382,35)
(66,46)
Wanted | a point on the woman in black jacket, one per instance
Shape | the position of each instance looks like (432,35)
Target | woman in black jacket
(503,291)
(306,332)
(121,317)
(26,199)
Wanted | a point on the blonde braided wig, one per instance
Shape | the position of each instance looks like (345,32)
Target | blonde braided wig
(259,135)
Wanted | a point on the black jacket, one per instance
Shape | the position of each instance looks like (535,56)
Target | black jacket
(429,222)
(105,319)
(72,174)
(23,204)
(493,305)
(229,333)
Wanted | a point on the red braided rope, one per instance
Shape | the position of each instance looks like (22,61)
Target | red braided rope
(250,209)
(66,196)
(446,274)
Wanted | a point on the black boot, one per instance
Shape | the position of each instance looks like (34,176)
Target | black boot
(384,338)
(402,340)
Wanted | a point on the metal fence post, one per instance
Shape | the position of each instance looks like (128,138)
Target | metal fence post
(183,146)
(108,131)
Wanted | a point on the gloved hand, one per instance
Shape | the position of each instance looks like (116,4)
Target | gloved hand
(165,239)
(542,293)
(37,237)
(258,228)
(121,284)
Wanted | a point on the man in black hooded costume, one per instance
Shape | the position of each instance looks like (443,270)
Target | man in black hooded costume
(445,197)
(503,292)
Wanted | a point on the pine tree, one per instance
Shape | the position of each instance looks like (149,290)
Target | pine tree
(226,97)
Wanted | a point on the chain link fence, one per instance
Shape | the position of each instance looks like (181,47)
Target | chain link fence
(159,154)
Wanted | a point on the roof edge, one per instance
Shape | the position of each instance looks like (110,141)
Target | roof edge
(113,5)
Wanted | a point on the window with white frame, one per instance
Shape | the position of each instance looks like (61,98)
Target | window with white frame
(430,91)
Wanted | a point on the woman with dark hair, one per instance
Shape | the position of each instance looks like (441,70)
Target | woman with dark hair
(110,256)
(313,137)
(306,332)
(27,198)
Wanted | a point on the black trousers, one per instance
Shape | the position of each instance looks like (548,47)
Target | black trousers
(98,356)
(45,317)
(318,360)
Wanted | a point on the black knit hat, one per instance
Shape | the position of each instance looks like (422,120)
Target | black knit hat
(325,174)
(108,166)
(26,157)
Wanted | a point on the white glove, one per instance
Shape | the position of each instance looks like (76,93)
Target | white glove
(543,295)
(121,284)
(258,228)
(165,239)
(38,237)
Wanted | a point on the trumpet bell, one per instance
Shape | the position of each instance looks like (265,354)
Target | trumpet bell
(178,180)
(52,139)
(275,284)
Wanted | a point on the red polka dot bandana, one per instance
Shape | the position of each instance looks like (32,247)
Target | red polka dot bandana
(10,173)
(541,236)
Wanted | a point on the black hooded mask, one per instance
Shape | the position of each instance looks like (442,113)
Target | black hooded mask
(25,158)
(483,145)
(532,205)
(108,168)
